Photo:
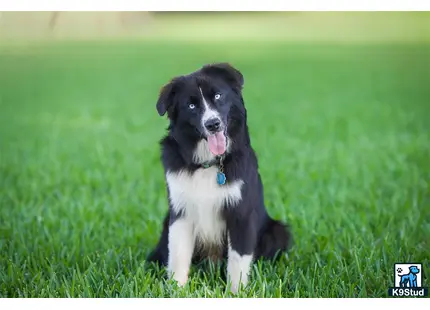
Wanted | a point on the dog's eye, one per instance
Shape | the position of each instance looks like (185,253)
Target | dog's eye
(217,96)
(191,106)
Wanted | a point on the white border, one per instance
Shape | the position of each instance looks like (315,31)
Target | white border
(215,304)
(219,5)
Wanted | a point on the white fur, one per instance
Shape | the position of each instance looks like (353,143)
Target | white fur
(181,246)
(200,199)
(238,267)
(208,113)
(203,154)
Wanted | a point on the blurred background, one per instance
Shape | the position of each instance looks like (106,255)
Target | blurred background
(296,26)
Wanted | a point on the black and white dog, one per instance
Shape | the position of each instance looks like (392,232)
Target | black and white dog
(214,189)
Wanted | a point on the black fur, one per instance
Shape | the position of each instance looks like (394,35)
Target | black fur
(251,229)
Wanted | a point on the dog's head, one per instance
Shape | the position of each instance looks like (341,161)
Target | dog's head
(198,105)
(414,269)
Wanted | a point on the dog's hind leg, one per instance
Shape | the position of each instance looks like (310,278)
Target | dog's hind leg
(404,281)
(160,254)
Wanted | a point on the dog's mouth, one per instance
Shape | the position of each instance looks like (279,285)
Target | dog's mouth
(217,143)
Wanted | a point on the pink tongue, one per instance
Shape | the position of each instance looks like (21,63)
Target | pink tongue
(217,143)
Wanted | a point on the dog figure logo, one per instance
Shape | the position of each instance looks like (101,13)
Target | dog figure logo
(408,281)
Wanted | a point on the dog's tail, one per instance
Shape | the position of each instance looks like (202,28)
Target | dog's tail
(275,238)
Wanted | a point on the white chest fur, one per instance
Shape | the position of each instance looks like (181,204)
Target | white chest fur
(198,196)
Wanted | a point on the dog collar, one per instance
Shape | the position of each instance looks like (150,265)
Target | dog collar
(214,162)
(218,161)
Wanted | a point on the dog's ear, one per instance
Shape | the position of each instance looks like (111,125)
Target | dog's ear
(166,98)
(226,72)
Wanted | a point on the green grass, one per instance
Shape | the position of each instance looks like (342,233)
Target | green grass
(342,134)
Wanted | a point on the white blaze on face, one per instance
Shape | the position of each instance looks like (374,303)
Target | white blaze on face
(217,142)
(208,112)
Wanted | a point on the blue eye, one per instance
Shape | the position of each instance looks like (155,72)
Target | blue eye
(217,96)
(191,106)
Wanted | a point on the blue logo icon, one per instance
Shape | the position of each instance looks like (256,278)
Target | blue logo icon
(409,279)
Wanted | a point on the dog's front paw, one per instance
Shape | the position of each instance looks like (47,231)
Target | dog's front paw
(181,280)
(238,284)
(234,289)
(238,267)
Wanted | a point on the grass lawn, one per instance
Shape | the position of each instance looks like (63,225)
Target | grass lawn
(342,133)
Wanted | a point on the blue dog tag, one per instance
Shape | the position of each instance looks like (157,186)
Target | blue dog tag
(220,178)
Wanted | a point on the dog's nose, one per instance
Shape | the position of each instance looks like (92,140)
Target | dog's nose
(213,124)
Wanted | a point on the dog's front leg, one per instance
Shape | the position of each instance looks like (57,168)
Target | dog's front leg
(241,244)
(181,246)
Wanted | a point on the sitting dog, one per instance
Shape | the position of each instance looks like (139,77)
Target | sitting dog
(214,189)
